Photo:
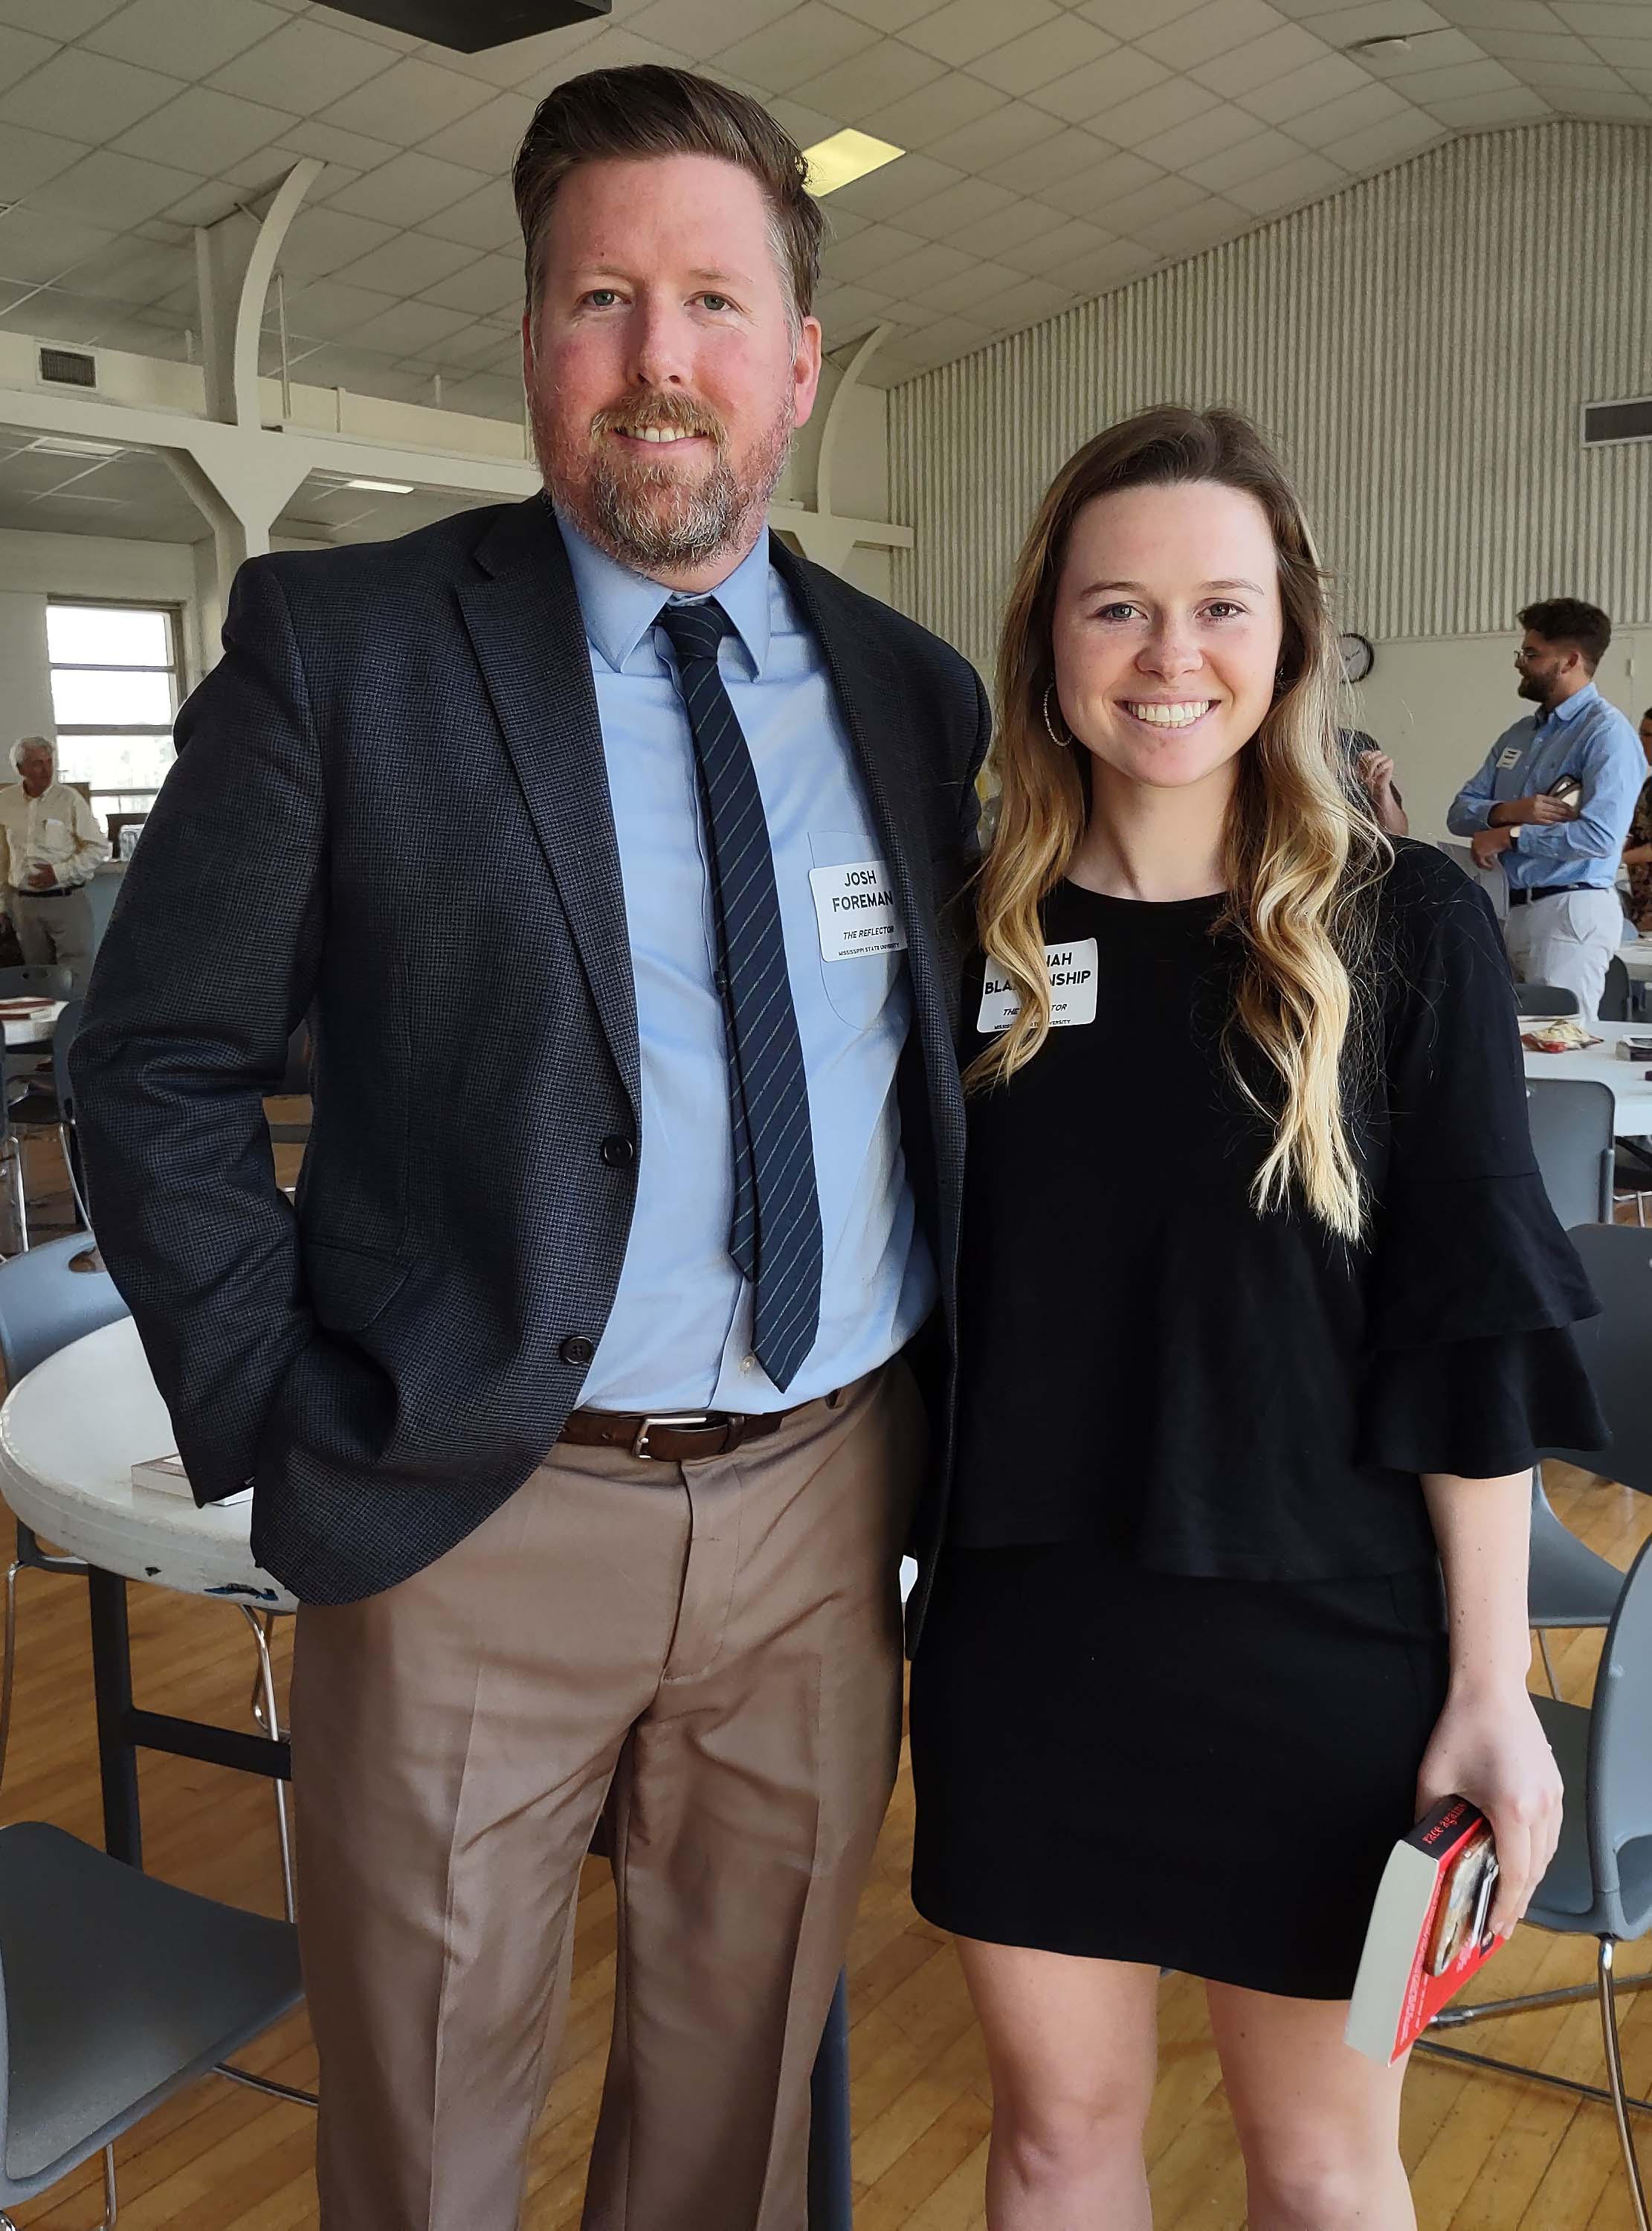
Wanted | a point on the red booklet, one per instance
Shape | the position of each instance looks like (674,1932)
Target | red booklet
(1429,1929)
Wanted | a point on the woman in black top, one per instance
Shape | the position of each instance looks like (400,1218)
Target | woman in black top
(1264,1315)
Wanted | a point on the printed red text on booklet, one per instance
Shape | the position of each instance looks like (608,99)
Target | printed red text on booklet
(1429,1929)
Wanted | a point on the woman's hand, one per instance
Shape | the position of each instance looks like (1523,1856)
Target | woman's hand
(1488,1745)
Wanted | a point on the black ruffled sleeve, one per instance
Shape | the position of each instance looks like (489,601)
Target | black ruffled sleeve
(1473,1284)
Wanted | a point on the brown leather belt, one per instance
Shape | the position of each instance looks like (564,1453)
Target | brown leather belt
(676,1438)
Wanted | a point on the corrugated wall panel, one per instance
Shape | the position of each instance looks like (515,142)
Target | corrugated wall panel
(1419,345)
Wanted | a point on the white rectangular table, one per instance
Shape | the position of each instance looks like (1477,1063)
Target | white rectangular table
(1625,1080)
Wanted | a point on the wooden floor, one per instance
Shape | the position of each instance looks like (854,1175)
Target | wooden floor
(1486,2153)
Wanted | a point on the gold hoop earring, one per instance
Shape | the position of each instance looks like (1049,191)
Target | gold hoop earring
(1062,743)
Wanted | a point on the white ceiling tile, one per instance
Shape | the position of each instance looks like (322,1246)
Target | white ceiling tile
(488,138)
(1248,159)
(1301,91)
(409,263)
(1627,53)
(1639,80)
(133,273)
(311,64)
(1160,109)
(43,243)
(22,51)
(207,203)
(1261,62)
(1055,50)
(994,236)
(867,254)
(408,103)
(186,37)
(976,283)
(326,310)
(1460,80)
(520,64)
(1581,77)
(886,15)
(952,104)
(85,96)
(407,189)
(1355,111)
(963,30)
(351,150)
(406,326)
(703,28)
(1166,197)
(1474,112)
(813,38)
(1046,254)
(112,190)
(1376,19)
(608,51)
(205,130)
(1385,144)
(849,309)
(1440,50)
(1597,21)
(802,124)
(1527,45)
(1086,94)
(163,229)
(928,265)
(71,19)
(1135,19)
(1062,155)
(1212,132)
(1293,182)
(1093,192)
(486,283)
(322,241)
(1481,17)
(889,192)
(992,138)
(1191,231)
(1106,268)
(843,224)
(28,159)
(1215,29)
(485,219)
(956,208)
(1032,300)
(382,34)
(878,74)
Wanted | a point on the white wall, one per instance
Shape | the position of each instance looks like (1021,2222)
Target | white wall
(1438,704)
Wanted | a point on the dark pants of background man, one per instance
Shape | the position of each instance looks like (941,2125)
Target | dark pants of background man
(54,925)
(710,1653)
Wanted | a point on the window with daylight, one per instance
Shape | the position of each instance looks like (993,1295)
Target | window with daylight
(114,693)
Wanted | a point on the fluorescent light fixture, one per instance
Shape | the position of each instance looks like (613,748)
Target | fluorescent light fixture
(381,487)
(69,445)
(844,157)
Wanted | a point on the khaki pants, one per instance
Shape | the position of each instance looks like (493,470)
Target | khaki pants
(54,930)
(1567,941)
(711,1653)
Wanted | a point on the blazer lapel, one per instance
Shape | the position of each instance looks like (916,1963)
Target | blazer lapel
(529,639)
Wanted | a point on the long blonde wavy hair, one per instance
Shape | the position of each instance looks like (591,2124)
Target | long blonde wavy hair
(1302,849)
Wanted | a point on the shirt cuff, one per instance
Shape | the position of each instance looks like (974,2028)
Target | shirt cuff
(1475,813)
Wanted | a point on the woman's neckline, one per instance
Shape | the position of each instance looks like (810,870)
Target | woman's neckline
(1208,899)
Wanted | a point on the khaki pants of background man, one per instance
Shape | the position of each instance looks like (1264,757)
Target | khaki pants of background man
(1567,940)
(54,929)
(711,1652)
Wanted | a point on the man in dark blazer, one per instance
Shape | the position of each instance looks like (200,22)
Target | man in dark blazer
(608,849)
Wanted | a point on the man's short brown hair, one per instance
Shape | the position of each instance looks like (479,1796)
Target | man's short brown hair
(1568,620)
(626,115)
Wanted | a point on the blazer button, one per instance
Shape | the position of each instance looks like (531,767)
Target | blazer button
(618,1152)
(577,1348)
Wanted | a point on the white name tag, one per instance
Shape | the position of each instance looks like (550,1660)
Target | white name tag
(1072,990)
(856,909)
(1509,756)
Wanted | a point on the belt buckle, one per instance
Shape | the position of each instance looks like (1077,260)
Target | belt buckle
(639,1446)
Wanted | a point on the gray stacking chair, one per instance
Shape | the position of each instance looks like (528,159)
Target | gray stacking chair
(1543,999)
(1615,994)
(49,1296)
(42,1108)
(1599,1883)
(1567,1583)
(116,1991)
(1572,1122)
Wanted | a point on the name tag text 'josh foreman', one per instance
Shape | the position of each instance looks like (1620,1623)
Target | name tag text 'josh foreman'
(855,911)
(1072,990)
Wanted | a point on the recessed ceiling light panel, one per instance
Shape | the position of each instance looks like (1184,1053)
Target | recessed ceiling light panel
(469,27)
(381,487)
(844,157)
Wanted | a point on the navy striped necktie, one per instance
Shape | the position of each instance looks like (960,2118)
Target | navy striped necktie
(775,1238)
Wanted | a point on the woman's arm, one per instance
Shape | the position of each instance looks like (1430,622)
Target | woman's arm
(1488,1744)
(1637,856)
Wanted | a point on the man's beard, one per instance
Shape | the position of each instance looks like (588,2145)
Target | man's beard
(641,510)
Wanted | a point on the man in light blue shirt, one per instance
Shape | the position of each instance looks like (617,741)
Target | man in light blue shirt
(1552,803)
(678,1336)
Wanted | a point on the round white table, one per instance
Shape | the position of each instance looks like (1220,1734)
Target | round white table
(70,1432)
(32,1025)
(1625,1080)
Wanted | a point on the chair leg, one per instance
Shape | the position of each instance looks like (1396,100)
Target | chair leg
(269,1719)
(1548,1662)
(65,1140)
(11,1150)
(1615,2078)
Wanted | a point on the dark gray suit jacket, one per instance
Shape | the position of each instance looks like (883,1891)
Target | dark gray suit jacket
(390,812)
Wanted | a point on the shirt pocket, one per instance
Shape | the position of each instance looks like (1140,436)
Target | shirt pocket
(860,939)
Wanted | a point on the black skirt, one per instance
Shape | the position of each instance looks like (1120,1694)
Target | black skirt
(1202,1774)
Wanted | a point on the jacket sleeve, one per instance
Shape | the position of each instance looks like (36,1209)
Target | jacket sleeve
(208,963)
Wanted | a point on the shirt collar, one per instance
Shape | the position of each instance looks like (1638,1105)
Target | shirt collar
(1569,711)
(619,606)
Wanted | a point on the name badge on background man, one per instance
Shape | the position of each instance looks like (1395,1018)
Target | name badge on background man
(1072,990)
(856,910)
(1509,756)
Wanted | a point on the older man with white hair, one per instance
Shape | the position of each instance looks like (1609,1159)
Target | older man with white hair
(54,842)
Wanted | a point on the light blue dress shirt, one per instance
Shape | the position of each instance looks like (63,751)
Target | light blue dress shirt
(1584,736)
(679,1333)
